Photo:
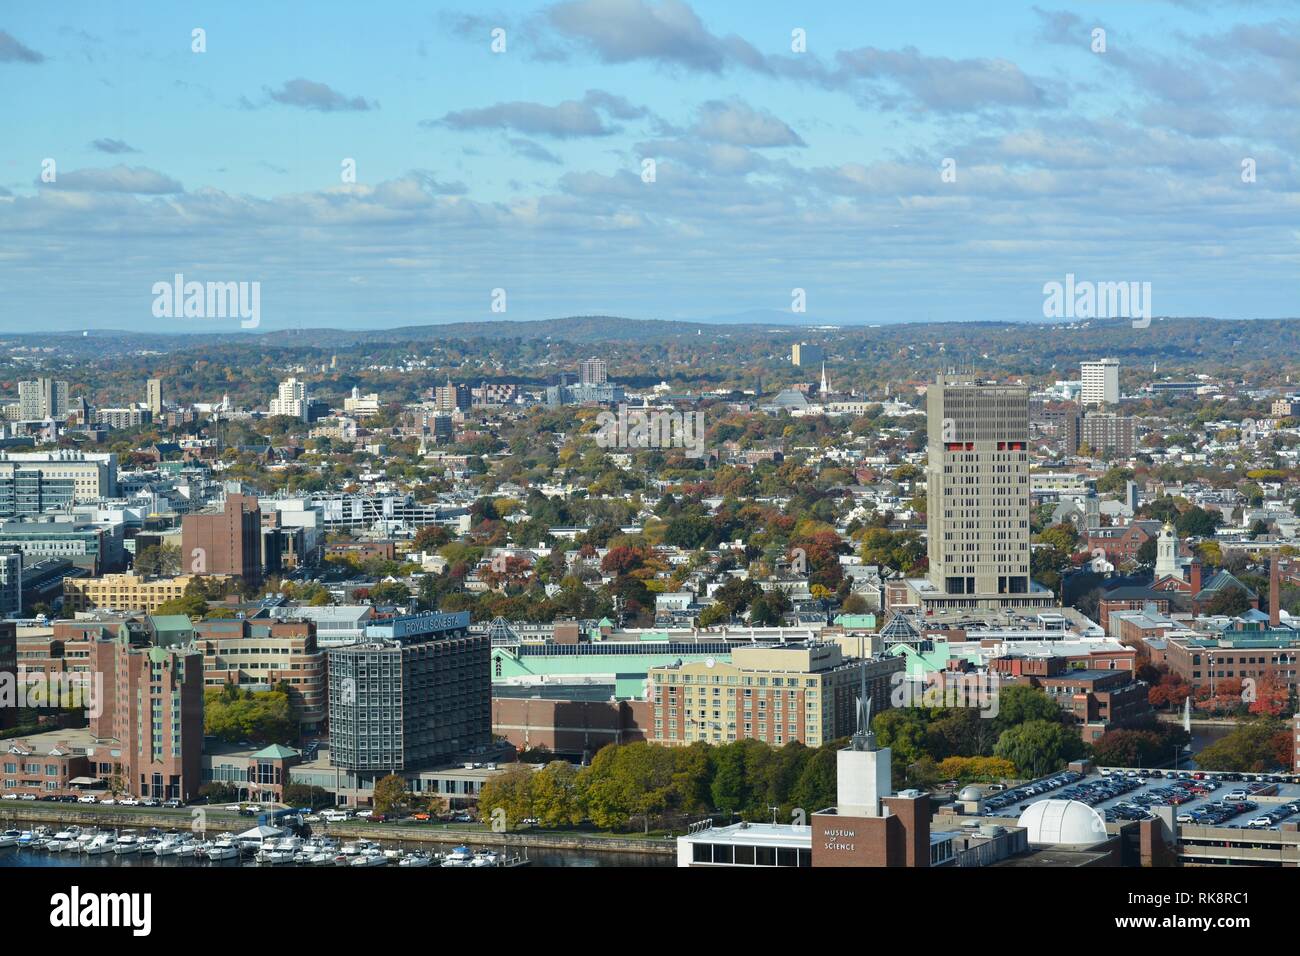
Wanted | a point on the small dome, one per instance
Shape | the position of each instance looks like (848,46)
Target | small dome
(1062,822)
(971,793)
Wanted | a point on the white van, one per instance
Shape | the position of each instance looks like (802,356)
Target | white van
(335,816)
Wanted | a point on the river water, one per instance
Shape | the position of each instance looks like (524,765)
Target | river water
(537,856)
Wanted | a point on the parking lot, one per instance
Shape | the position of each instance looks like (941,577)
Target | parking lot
(1252,801)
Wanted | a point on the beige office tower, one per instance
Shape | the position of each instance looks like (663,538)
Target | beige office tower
(153,397)
(978,496)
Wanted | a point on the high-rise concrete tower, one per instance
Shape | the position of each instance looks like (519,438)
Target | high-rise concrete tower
(978,493)
(1100,385)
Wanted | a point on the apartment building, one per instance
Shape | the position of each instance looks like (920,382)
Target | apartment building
(807,356)
(775,693)
(126,592)
(290,400)
(153,397)
(1108,435)
(593,371)
(1100,384)
(42,398)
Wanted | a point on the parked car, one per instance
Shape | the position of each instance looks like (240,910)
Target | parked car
(172,804)
(88,798)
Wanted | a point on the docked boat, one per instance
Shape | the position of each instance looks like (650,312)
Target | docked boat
(127,843)
(9,838)
(103,843)
(461,856)
(415,859)
(223,849)
(371,857)
(169,845)
(274,855)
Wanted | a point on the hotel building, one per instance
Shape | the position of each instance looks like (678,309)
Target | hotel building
(415,692)
(774,693)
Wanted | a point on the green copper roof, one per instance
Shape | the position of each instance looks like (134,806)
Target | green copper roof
(276,752)
(867,621)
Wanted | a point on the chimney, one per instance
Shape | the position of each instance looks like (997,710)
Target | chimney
(1196,577)
(1274,612)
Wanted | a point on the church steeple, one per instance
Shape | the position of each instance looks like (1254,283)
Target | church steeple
(1167,564)
(826,386)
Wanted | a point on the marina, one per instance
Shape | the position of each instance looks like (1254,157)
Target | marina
(93,847)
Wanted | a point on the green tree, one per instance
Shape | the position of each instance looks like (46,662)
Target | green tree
(390,794)
(510,791)
(1038,747)
(556,795)
(1254,746)
(1018,704)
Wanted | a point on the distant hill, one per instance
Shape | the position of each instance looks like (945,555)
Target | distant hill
(1172,340)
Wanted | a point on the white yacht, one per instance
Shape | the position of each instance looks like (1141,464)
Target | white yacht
(223,849)
(170,845)
(274,855)
(127,843)
(103,843)
(370,857)
(9,838)
(461,856)
(415,859)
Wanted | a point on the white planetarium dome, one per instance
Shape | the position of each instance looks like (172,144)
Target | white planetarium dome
(1063,822)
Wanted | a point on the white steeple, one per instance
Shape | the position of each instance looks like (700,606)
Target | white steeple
(826,386)
(1167,554)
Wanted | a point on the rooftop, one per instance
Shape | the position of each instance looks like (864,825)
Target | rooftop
(755,834)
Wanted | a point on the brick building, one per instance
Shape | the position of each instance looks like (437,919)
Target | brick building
(570,726)
(259,655)
(224,542)
(149,731)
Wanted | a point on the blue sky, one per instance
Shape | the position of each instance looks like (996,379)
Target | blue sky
(521,170)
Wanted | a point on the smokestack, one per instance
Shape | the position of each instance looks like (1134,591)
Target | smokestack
(1196,578)
(1274,587)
